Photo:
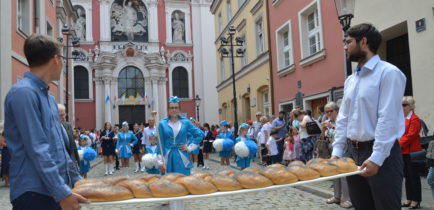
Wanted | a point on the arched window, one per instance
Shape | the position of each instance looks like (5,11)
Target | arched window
(81,83)
(131,82)
(180,82)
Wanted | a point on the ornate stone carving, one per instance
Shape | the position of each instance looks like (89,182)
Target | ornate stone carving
(80,23)
(129,21)
(178,27)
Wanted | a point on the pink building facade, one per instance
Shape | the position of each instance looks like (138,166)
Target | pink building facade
(307,54)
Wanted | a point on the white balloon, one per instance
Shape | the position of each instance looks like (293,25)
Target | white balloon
(80,154)
(150,160)
(218,145)
(241,149)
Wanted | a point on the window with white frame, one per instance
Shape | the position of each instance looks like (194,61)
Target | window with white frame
(243,61)
(220,23)
(259,37)
(310,29)
(222,70)
(284,46)
(265,99)
(23,16)
(49,29)
(240,3)
(229,10)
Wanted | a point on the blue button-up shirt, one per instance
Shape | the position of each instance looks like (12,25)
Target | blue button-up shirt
(371,109)
(277,123)
(39,161)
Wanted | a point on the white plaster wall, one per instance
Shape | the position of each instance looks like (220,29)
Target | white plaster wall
(383,14)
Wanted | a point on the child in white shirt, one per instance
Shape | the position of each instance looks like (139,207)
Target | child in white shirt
(272,146)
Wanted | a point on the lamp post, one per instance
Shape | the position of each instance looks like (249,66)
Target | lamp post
(225,53)
(345,11)
(197,100)
(75,43)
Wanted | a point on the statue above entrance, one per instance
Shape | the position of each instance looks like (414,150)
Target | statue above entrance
(129,21)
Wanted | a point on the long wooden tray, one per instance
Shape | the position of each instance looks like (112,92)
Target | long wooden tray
(273,187)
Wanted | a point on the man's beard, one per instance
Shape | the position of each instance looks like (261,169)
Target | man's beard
(357,55)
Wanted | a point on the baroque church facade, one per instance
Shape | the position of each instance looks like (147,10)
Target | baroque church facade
(135,54)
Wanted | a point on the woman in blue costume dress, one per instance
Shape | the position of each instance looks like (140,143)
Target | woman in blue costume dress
(245,161)
(173,132)
(152,148)
(225,134)
(126,140)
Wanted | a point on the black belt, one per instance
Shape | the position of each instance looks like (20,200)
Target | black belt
(361,144)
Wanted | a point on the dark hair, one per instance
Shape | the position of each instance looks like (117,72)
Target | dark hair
(107,123)
(274,131)
(282,112)
(308,112)
(206,125)
(367,30)
(321,109)
(39,49)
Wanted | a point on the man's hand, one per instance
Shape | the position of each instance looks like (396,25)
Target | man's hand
(72,202)
(334,157)
(369,168)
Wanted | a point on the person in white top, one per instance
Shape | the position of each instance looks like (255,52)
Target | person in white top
(272,146)
(370,121)
(264,134)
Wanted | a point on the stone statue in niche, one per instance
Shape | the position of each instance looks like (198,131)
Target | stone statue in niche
(80,24)
(178,28)
(129,21)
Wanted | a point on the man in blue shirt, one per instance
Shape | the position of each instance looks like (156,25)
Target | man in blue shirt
(370,121)
(41,171)
(280,124)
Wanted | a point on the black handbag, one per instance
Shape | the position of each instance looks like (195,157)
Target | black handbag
(312,128)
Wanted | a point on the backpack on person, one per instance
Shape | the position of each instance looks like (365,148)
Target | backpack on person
(313,127)
(430,154)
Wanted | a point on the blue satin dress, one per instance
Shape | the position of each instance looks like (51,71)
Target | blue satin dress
(227,135)
(243,162)
(123,144)
(178,161)
(153,170)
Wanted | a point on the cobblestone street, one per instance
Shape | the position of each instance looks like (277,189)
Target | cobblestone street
(288,198)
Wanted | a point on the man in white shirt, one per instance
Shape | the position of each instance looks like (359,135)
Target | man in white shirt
(370,121)
(146,133)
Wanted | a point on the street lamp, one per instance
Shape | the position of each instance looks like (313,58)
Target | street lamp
(228,41)
(197,100)
(75,43)
(345,11)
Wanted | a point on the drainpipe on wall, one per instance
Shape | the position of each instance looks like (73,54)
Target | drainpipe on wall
(270,60)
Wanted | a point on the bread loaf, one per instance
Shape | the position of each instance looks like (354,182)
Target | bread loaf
(138,186)
(225,183)
(196,186)
(227,173)
(277,165)
(104,193)
(324,169)
(296,162)
(114,180)
(279,175)
(172,176)
(250,180)
(204,176)
(303,172)
(165,188)
(90,182)
(316,160)
(150,178)
(344,166)
(254,170)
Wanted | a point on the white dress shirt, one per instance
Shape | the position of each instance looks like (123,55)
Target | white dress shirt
(146,133)
(372,109)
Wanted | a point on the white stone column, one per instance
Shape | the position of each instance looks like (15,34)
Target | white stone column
(169,26)
(187,27)
(153,21)
(149,93)
(98,103)
(107,106)
(163,98)
(105,20)
(155,97)
(89,36)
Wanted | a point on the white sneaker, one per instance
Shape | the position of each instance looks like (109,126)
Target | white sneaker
(137,170)
(106,173)
(143,169)
(204,167)
(111,173)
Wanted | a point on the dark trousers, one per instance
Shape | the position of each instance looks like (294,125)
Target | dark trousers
(35,201)
(413,189)
(274,159)
(280,149)
(381,191)
(200,158)
(117,163)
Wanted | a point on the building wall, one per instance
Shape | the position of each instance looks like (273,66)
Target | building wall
(319,77)
(254,75)
(383,15)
